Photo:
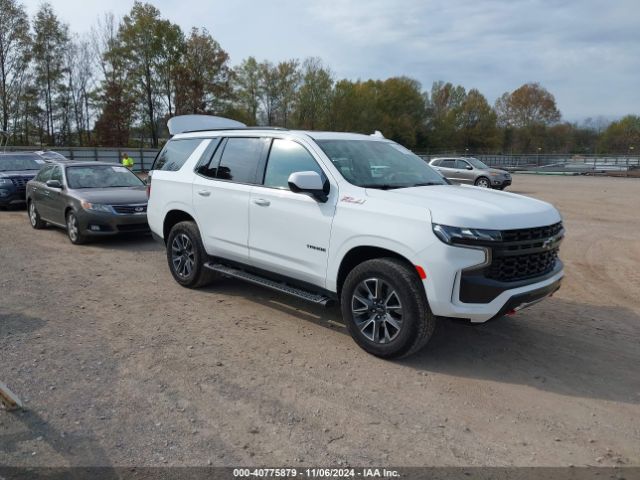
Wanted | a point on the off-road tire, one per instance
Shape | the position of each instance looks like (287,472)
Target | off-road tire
(418,323)
(199,275)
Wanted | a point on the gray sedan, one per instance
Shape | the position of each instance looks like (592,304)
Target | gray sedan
(87,199)
(471,171)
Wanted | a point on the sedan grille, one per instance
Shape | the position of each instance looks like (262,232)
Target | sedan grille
(525,253)
(21,183)
(130,209)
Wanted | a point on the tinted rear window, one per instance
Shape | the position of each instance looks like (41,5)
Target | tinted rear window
(175,154)
(240,160)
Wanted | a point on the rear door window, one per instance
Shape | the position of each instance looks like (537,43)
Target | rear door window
(448,163)
(175,153)
(240,160)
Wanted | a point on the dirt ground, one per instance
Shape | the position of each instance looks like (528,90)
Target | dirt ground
(118,365)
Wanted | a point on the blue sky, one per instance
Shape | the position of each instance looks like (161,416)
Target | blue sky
(586,52)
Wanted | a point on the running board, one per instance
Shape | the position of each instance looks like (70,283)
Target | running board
(268,283)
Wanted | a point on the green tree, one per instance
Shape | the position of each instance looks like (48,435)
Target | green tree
(622,136)
(204,77)
(50,44)
(477,125)
(247,77)
(315,95)
(15,42)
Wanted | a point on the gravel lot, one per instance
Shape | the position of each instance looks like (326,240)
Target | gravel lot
(118,365)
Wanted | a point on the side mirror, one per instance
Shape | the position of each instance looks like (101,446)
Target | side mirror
(311,183)
(469,167)
(54,184)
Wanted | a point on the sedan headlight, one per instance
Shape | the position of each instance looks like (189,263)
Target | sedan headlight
(5,181)
(97,207)
(466,236)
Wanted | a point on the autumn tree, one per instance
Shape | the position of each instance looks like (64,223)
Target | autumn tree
(529,105)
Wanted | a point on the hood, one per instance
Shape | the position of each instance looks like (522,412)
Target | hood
(473,207)
(18,173)
(113,196)
(497,170)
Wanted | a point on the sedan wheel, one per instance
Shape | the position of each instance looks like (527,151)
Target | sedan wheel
(483,183)
(73,229)
(34,217)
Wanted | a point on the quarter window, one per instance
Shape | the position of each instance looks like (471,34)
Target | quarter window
(56,174)
(285,158)
(175,153)
(240,160)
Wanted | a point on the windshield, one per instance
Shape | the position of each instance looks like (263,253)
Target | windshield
(477,163)
(19,162)
(101,176)
(377,164)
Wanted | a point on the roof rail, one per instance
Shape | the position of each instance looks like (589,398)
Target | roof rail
(238,128)
(193,123)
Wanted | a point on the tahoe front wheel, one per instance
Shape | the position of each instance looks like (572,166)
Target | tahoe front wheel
(385,308)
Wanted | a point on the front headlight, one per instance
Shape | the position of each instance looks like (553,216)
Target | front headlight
(466,236)
(5,181)
(97,207)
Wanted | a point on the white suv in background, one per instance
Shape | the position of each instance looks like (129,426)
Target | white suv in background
(350,218)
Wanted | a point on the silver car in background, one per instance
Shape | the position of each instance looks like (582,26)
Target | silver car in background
(471,171)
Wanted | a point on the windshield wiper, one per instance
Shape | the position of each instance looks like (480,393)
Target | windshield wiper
(424,184)
(381,186)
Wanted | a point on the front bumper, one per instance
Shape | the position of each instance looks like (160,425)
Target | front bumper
(445,264)
(105,224)
(11,196)
(500,182)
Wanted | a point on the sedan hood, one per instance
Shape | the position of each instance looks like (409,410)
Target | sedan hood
(18,173)
(113,196)
(498,171)
(473,207)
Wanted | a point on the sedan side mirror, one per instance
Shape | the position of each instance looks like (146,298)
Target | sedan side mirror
(311,183)
(54,184)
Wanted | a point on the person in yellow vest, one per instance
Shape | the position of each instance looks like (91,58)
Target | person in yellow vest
(127,161)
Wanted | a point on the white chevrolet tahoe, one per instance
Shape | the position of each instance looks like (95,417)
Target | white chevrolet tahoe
(350,218)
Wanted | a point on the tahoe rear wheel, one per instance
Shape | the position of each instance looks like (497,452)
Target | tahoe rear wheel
(483,182)
(34,217)
(186,256)
(385,307)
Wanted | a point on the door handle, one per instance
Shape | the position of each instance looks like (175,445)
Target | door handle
(262,202)
(204,193)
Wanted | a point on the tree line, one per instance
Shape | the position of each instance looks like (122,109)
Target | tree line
(118,85)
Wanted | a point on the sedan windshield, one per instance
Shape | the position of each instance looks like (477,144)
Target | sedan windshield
(101,176)
(19,162)
(379,164)
(477,163)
